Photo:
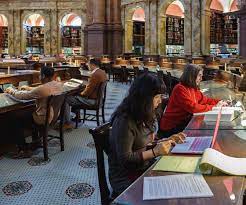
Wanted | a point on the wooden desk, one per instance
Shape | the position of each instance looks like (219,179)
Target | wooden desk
(227,190)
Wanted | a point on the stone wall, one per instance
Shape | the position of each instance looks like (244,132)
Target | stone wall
(196,25)
(17,11)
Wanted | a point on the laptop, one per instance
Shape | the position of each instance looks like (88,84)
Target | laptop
(197,145)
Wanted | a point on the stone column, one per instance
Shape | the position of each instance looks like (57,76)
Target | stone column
(162,35)
(95,42)
(17,32)
(99,11)
(188,44)
(147,29)
(117,30)
(54,32)
(205,32)
(47,32)
(196,28)
(11,32)
(242,33)
(153,27)
(128,35)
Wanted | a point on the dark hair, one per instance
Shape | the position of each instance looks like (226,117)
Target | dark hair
(138,104)
(94,62)
(47,72)
(190,74)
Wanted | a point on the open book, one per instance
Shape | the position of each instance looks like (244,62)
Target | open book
(73,83)
(211,159)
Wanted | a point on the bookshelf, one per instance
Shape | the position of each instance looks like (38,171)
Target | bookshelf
(223,28)
(35,39)
(138,37)
(174,30)
(4,39)
(230,29)
(71,36)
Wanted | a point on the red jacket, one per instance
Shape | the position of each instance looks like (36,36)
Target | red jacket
(183,102)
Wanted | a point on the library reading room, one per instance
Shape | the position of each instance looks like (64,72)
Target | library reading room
(123,102)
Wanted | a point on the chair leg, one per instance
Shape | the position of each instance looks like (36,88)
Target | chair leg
(45,143)
(62,136)
(103,116)
(77,119)
(97,115)
(84,115)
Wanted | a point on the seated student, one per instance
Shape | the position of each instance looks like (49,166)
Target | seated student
(89,95)
(186,99)
(132,130)
(40,93)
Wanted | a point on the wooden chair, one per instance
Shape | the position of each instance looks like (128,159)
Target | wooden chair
(100,102)
(118,74)
(100,135)
(168,82)
(55,102)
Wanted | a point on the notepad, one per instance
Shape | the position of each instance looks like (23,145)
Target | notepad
(178,164)
(175,186)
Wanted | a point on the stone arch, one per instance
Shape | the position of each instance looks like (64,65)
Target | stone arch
(205,24)
(25,15)
(129,25)
(162,24)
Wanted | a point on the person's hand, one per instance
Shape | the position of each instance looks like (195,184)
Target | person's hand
(24,87)
(163,148)
(9,90)
(222,103)
(178,138)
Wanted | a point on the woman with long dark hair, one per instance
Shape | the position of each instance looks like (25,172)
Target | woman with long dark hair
(132,130)
(186,99)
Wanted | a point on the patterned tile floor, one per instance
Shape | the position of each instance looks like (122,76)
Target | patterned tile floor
(70,177)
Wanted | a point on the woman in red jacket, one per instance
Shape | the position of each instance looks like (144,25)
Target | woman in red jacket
(185,100)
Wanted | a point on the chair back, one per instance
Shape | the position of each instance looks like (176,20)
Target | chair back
(100,136)
(168,82)
(160,75)
(74,73)
(55,102)
(101,94)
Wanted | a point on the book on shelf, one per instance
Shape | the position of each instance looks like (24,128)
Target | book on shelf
(175,30)
(71,36)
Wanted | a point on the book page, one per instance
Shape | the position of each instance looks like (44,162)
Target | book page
(229,165)
(178,164)
(175,186)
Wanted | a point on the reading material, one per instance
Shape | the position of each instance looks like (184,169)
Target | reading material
(178,164)
(210,159)
(73,83)
(175,186)
(226,115)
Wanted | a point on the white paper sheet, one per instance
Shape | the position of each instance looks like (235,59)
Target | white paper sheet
(175,186)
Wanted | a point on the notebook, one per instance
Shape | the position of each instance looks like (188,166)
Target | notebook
(197,145)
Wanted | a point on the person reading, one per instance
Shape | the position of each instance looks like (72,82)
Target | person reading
(133,129)
(186,99)
(40,94)
(89,95)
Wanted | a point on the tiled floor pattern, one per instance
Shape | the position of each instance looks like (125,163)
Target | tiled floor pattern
(70,177)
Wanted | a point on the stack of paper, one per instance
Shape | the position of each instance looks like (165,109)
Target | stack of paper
(226,115)
(175,186)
